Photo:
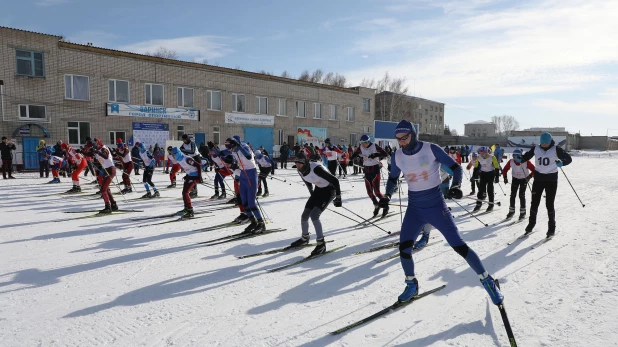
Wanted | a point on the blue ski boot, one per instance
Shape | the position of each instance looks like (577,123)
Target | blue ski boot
(411,289)
(420,244)
(490,286)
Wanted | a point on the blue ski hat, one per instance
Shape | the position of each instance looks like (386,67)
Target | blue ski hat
(142,147)
(546,138)
(365,139)
(517,155)
(177,154)
(237,138)
(405,127)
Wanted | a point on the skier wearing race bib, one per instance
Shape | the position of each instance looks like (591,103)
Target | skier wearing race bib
(103,155)
(489,171)
(521,175)
(80,164)
(474,178)
(123,151)
(266,166)
(372,154)
(221,171)
(193,168)
(420,164)
(549,158)
(149,163)
(175,167)
(330,152)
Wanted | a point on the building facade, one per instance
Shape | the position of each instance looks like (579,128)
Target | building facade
(428,114)
(480,128)
(66,91)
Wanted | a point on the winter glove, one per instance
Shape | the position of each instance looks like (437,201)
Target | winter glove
(454,193)
(528,178)
(506,180)
(383,203)
(373,155)
(559,163)
(337,201)
(496,180)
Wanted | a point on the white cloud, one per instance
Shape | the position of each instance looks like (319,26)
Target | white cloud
(191,47)
(48,3)
(364,56)
(607,107)
(546,47)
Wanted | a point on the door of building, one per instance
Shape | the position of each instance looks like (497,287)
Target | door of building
(259,137)
(199,138)
(31,160)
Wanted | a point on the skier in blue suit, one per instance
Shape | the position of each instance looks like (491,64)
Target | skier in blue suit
(420,164)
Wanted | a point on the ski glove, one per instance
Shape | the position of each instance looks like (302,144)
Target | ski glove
(374,155)
(506,180)
(337,201)
(559,163)
(383,203)
(496,180)
(454,193)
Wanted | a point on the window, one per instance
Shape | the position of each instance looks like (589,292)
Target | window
(118,91)
(181,131)
(216,135)
(431,108)
(332,112)
(366,105)
(213,100)
(185,97)
(154,94)
(113,135)
(350,117)
(281,136)
(301,112)
(261,105)
(426,111)
(365,129)
(317,111)
(33,112)
(238,103)
(76,87)
(30,63)
(282,107)
(353,139)
(78,132)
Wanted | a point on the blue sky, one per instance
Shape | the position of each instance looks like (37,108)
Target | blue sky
(547,63)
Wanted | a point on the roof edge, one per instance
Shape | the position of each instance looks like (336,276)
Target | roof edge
(31,32)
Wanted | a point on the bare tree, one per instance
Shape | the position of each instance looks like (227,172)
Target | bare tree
(165,53)
(304,76)
(497,120)
(454,132)
(329,78)
(205,61)
(392,101)
(285,74)
(264,72)
(339,81)
(316,76)
(505,124)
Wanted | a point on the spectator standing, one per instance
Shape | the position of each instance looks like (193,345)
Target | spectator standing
(41,153)
(7,157)
(284,155)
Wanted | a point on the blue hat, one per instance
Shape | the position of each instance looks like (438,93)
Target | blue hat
(545,138)
(405,127)
(365,139)
(142,147)
(177,154)
(237,138)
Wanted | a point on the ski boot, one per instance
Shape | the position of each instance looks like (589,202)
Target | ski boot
(376,210)
(490,286)
(472,193)
(126,190)
(477,207)
(232,201)
(259,192)
(410,291)
(265,193)
(241,218)
(148,195)
(384,211)
(320,248)
(511,213)
(522,213)
(55,180)
(156,194)
(420,244)
(300,242)
(551,225)
(250,227)
(531,222)
(173,185)
(186,213)
(193,195)
(260,227)
(490,207)
(106,210)
(222,196)
(216,195)
(114,206)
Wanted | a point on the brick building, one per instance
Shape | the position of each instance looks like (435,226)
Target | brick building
(480,128)
(66,91)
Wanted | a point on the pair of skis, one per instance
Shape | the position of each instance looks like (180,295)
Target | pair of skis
(237,237)
(279,250)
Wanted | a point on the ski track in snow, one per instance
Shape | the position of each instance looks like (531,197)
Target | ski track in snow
(104,281)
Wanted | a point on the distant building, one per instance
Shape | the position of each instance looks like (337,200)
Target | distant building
(480,128)
(549,129)
(428,114)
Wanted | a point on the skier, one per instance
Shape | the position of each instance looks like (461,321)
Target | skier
(330,152)
(122,151)
(189,148)
(149,162)
(372,154)
(343,161)
(474,178)
(326,190)
(175,167)
(498,153)
(232,165)
(549,158)
(221,170)
(103,155)
(489,171)
(55,163)
(136,158)
(80,165)
(248,183)
(265,165)
(521,175)
(455,155)
(194,176)
(420,164)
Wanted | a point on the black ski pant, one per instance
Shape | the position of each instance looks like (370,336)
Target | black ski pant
(332,167)
(44,168)
(147,177)
(518,184)
(317,203)
(264,171)
(486,187)
(550,188)
(343,168)
(284,162)
(7,167)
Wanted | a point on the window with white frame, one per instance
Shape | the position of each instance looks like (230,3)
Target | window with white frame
(180,129)
(317,111)
(118,91)
(238,103)
(366,105)
(353,139)
(332,112)
(76,87)
(281,136)
(32,112)
(114,135)
(213,100)
(30,63)
(366,129)
(78,132)
(261,105)
(301,109)
(185,97)
(282,107)
(154,94)
(350,115)
(216,135)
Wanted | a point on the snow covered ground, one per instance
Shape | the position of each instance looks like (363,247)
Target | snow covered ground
(110,281)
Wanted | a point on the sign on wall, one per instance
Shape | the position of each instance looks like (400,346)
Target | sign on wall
(311,135)
(529,141)
(151,133)
(127,110)
(249,119)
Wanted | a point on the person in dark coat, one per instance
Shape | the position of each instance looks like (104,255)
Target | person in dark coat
(41,152)
(137,161)
(7,157)
(284,155)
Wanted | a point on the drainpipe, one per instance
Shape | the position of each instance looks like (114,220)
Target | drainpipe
(2,98)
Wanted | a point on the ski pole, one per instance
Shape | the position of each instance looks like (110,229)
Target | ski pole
(470,213)
(499,185)
(565,176)
(342,170)
(365,220)
(483,201)
(400,207)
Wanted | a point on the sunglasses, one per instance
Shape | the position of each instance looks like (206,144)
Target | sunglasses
(403,138)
